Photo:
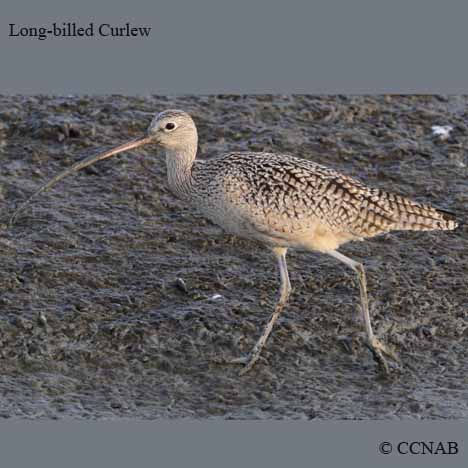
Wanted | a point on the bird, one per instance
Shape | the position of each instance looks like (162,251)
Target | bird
(281,201)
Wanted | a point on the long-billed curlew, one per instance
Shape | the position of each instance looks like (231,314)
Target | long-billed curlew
(281,201)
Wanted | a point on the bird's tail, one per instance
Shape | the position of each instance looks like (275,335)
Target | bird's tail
(412,216)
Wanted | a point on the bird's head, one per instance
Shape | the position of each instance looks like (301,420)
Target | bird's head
(173,130)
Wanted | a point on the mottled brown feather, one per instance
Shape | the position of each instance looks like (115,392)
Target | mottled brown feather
(298,190)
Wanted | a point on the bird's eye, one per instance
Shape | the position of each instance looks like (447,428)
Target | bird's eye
(170,126)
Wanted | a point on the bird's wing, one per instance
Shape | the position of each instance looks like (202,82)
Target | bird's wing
(295,189)
(299,188)
(367,211)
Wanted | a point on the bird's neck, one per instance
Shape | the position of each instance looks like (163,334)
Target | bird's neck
(179,169)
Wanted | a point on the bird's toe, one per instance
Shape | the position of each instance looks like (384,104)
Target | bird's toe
(384,349)
(379,350)
(247,361)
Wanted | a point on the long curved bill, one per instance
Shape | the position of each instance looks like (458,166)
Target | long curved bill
(81,165)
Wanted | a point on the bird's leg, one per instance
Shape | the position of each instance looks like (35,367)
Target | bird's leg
(285,291)
(374,344)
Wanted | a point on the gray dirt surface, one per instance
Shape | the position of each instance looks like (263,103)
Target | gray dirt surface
(116,300)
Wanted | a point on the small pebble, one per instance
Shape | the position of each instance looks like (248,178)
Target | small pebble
(180,284)
(441,131)
(41,319)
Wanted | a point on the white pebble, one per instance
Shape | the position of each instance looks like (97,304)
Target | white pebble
(442,131)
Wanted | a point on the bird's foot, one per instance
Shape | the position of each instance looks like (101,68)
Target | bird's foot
(379,350)
(247,361)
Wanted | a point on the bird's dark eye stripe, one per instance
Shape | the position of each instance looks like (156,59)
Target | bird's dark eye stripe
(170,126)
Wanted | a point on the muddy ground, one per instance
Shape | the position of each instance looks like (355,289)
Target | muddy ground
(96,323)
